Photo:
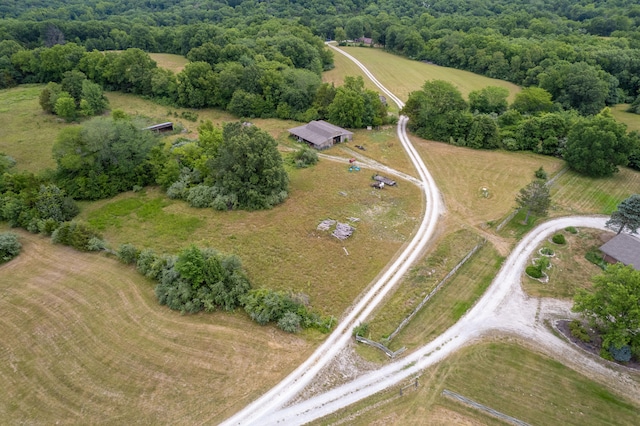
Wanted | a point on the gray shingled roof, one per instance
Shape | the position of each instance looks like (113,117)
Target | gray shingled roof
(624,248)
(318,132)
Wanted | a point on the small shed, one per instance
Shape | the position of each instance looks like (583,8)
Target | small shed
(622,248)
(161,128)
(320,134)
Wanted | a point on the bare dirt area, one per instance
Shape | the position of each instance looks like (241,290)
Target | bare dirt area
(84,341)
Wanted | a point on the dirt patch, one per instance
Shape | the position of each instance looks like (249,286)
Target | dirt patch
(592,347)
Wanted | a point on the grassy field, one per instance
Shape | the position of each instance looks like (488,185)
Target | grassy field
(27,133)
(631,120)
(280,248)
(85,342)
(570,270)
(528,386)
(169,61)
(403,76)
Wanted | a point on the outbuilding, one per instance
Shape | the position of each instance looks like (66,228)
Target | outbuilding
(622,248)
(320,134)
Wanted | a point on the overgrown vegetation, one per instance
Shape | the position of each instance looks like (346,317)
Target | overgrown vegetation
(9,246)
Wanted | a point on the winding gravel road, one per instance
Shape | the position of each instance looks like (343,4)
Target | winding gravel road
(288,388)
(504,307)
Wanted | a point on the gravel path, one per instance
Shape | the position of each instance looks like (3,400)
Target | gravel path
(294,383)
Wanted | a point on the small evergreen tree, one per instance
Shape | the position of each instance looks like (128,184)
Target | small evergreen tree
(627,215)
(534,198)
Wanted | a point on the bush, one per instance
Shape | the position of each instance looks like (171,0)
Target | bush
(571,230)
(201,196)
(361,329)
(96,244)
(128,253)
(547,251)
(541,173)
(596,258)
(290,322)
(533,272)
(75,234)
(622,354)
(304,157)
(578,331)
(9,246)
(559,239)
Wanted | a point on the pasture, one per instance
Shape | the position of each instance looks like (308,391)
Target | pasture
(403,76)
(504,376)
(169,61)
(86,342)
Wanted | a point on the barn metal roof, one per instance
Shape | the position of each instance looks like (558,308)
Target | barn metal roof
(318,132)
(624,248)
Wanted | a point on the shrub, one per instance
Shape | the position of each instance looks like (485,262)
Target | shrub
(542,263)
(547,251)
(75,234)
(47,226)
(571,230)
(201,196)
(9,246)
(558,239)
(290,322)
(596,258)
(578,331)
(541,173)
(361,329)
(96,244)
(622,354)
(304,157)
(533,271)
(128,253)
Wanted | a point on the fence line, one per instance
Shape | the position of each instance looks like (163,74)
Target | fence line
(380,346)
(484,408)
(434,291)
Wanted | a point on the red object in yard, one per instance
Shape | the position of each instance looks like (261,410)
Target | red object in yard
(352,160)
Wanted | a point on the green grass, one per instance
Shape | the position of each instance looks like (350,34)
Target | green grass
(169,61)
(576,194)
(27,134)
(403,76)
(570,269)
(280,248)
(630,119)
(420,280)
(504,376)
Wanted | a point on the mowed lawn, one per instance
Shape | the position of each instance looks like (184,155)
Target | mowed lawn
(500,375)
(85,342)
(403,76)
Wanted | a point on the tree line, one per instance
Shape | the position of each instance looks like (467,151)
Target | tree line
(594,145)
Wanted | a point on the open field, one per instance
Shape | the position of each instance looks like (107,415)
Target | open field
(528,386)
(280,248)
(169,61)
(461,173)
(403,76)
(631,120)
(85,342)
(27,133)
(573,193)
(570,270)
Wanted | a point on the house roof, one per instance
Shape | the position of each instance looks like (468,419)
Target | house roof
(624,248)
(318,132)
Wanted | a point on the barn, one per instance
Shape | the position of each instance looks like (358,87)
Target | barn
(320,134)
(622,248)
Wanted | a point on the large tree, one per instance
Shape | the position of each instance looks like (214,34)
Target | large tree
(490,99)
(534,198)
(627,215)
(532,100)
(596,146)
(103,157)
(248,168)
(613,307)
